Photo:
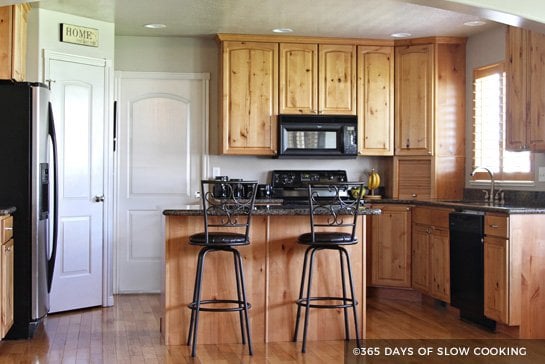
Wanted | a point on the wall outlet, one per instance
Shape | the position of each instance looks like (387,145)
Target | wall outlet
(216,171)
(541,177)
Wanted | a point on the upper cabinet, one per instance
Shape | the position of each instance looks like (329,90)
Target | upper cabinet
(375,100)
(13,40)
(414,99)
(298,78)
(525,103)
(337,79)
(317,79)
(249,96)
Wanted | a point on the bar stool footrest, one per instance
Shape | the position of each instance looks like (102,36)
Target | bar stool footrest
(193,306)
(349,302)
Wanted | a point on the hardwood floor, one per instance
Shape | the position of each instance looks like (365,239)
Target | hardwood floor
(129,333)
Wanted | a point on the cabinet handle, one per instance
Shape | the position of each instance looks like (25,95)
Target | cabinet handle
(7,228)
(494,226)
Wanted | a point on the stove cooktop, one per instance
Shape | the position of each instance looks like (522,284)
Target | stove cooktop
(292,185)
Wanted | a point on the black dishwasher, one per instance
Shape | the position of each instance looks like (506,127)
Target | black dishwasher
(467,266)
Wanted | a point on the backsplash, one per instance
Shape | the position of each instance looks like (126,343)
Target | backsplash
(522,198)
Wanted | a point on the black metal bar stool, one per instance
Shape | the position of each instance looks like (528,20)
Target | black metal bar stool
(225,205)
(332,206)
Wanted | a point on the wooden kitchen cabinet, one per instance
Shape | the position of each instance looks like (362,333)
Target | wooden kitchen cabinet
(375,107)
(502,286)
(414,83)
(429,118)
(337,79)
(391,246)
(249,96)
(525,99)
(298,78)
(6,274)
(317,79)
(13,41)
(431,252)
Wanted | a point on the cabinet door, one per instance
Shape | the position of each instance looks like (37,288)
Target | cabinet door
(412,178)
(19,41)
(6,41)
(250,98)
(440,264)
(298,78)
(337,79)
(516,100)
(420,257)
(6,282)
(376,100)
(536,92)
(496,289)
(414,79)
(391,247)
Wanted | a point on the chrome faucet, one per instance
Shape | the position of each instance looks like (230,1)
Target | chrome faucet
(490,196)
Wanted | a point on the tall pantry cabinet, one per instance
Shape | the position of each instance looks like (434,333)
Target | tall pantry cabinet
(429,118)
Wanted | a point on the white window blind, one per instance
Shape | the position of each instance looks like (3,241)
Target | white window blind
(489,129)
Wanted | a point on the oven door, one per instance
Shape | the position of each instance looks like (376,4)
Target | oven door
(317,140)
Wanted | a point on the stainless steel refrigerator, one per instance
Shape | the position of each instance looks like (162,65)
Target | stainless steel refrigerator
(28,164)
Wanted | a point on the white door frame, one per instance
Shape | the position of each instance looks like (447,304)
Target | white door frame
(205,79)
(107,262)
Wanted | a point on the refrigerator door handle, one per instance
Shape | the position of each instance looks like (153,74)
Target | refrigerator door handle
(51,261)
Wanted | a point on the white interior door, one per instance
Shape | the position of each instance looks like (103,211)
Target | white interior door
(78,99)
(162,154)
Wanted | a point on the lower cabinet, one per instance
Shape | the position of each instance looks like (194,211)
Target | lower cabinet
(431,252)
(502,286)
(391,246)
(6,275)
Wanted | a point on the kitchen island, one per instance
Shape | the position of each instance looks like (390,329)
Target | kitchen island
(272,266)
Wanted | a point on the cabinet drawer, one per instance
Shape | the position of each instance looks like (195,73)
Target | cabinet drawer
(6,228)
(496,225)
(437,217)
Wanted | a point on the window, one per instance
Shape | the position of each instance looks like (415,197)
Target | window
(489,129)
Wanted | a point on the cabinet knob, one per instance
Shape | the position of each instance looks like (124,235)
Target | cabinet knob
(494,226)
(414,195)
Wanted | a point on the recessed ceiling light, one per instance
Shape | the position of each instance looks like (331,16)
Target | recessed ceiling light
(155,26)
(475,23)
(282,30)
(400,35)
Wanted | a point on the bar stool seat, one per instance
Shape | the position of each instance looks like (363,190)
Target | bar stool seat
(232,211)
(327,238)
(218,238)
(328,214)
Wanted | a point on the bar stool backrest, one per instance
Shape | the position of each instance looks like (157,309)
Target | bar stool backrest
(336,202)
(228,205)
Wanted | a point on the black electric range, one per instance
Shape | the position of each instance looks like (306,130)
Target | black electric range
(291,186)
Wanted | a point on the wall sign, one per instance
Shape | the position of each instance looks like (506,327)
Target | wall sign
(79,35)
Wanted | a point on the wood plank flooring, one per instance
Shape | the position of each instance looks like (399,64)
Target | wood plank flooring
(129,333)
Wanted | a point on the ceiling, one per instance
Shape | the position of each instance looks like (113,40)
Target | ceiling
(334,18)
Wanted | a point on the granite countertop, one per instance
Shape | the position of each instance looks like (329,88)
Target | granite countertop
(262,208)
(7,210)
(274,207)
(472,205)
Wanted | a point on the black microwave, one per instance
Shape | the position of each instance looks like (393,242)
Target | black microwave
(323,136)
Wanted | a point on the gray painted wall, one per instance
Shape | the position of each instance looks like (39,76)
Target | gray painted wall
(179,54)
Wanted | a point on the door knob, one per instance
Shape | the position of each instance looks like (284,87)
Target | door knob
(98,198)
